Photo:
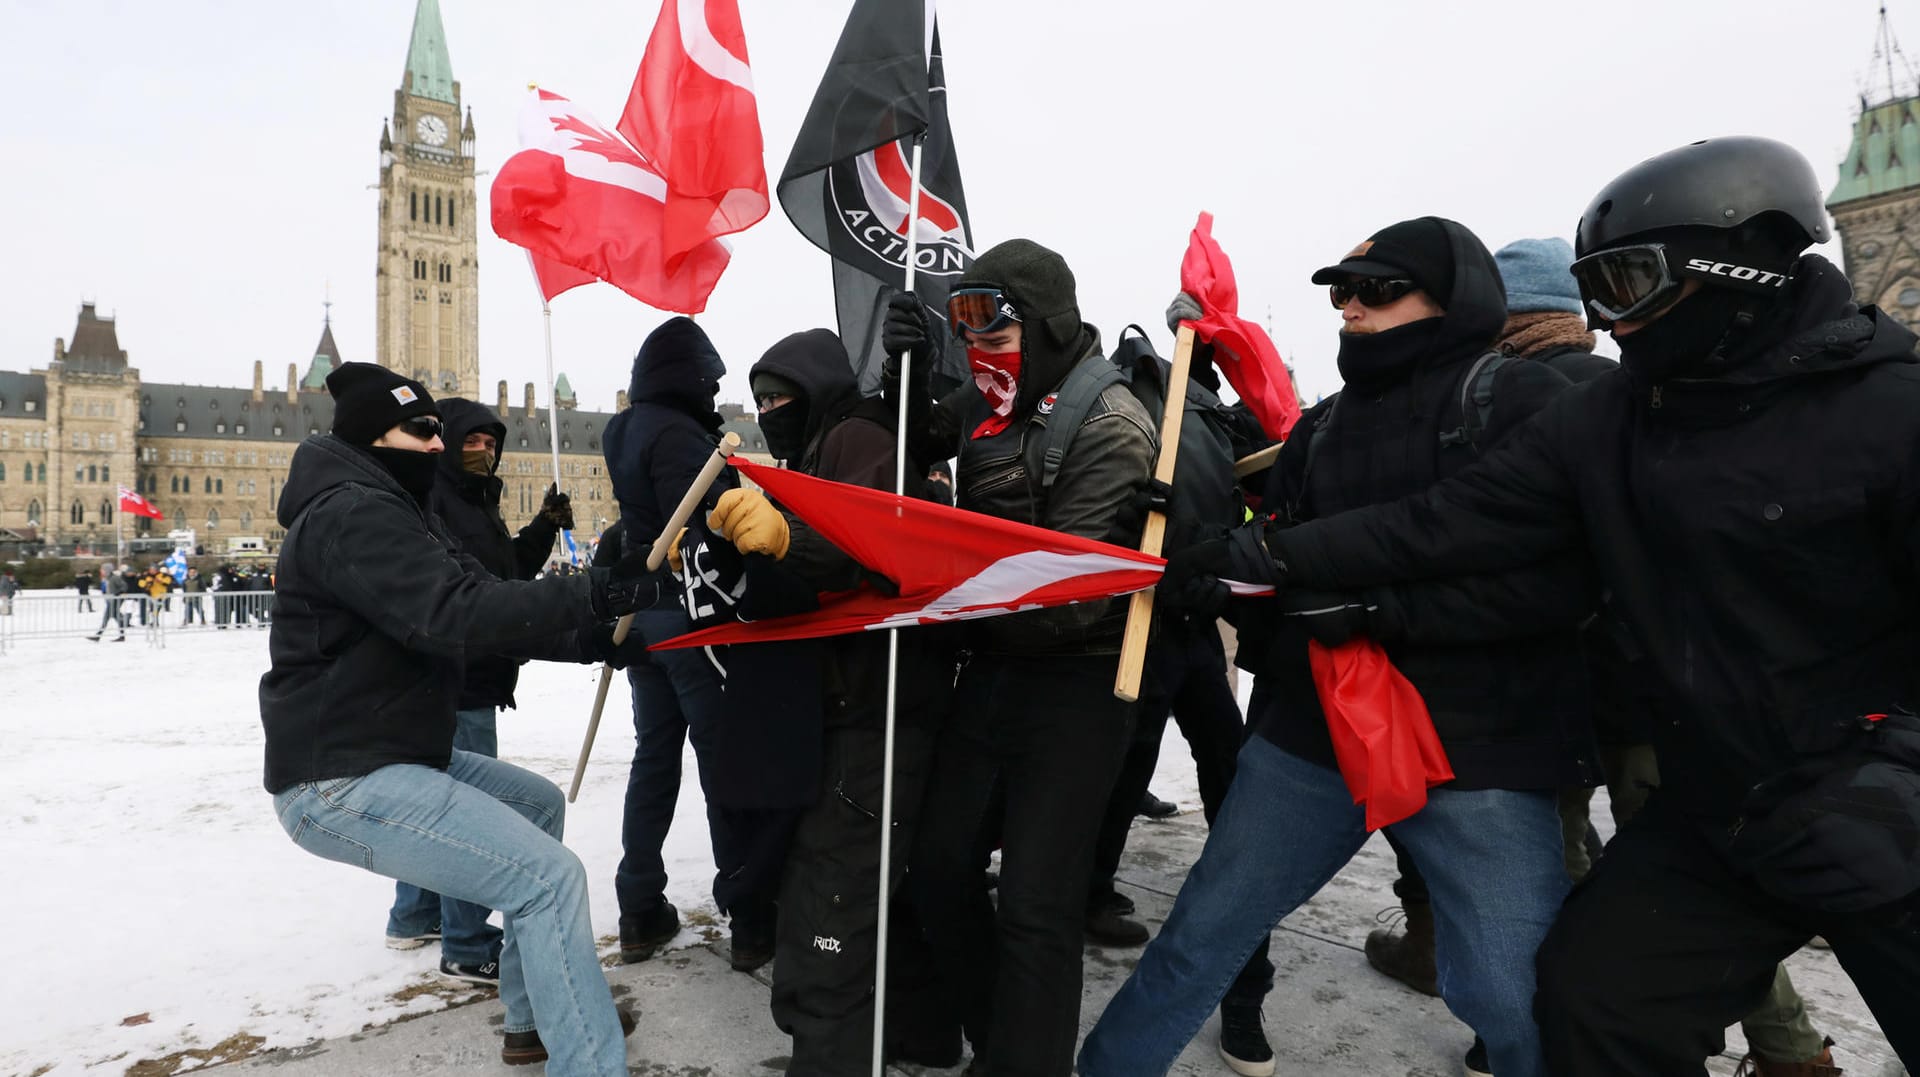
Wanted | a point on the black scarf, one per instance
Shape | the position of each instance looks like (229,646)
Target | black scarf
(1698,337)
(412,470)
(785,428)
(1368,359)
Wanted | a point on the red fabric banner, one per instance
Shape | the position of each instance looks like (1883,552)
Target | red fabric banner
(1241,349)
(1383,737)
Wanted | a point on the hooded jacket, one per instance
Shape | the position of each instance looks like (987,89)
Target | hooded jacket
(1495,657)
(375,615)
(850,439)
(1109,459)
(656,447)
(1758,533)
(469,505)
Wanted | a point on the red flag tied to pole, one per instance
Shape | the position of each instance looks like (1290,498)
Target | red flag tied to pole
(693,116)
(1241,349)
(584,202)
(949,564)
(139,506)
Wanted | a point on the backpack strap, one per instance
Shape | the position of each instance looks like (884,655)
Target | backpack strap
(1476,400)
(1076,397)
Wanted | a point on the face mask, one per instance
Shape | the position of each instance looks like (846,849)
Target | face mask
(1372,357)
(785,428)
(476,461)
(997,376)
(1681,342)
(412,470)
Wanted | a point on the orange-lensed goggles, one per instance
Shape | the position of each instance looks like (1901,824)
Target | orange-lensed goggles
(979,310)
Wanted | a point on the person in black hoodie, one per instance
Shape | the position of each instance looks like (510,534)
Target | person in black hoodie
(1034,703)
(1421,302)
(466,498)
(377,612)
(1746,486)
(814,419)
(654,451)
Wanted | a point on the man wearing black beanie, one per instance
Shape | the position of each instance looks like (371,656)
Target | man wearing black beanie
(375,612)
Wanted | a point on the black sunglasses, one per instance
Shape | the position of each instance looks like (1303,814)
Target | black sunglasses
(1370,291)
(424,427)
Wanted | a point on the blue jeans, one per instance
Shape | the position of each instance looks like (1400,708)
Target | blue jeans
(676,694)
(1492,860)
(486,832)
(465,936)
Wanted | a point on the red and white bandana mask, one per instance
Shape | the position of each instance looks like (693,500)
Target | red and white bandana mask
(997,376)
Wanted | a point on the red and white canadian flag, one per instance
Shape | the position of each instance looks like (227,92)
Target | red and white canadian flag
(139,506)
(585,204)
(693,116)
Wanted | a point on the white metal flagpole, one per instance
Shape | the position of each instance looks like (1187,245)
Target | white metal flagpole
(553,403)
(893,664)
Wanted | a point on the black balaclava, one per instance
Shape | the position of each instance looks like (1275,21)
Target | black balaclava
(785,428)
(412,469)
(368,401)
(1693,339)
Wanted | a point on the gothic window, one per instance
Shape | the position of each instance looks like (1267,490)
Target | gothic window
(246,519)
(79,473)
(78,513)
(104,473)
(43,473)
(219,486)
(436,209)
(106,511)
(92,472)
(33,511)
(449,212)
(3,471)
(208,480)
(213,519)
(413,205)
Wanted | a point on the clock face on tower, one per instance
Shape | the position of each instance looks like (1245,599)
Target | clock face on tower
(432,130)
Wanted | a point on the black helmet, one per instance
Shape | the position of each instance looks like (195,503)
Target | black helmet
(1730,212)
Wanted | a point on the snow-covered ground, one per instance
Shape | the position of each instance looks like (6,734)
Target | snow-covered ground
(154,906)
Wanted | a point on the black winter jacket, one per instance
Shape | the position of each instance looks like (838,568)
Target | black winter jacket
(655,448)
(850,439)
(1758,532)
(375,615)
(1496,658)
(469,505)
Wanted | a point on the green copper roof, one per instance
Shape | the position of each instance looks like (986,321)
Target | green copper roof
(562,389)
(1885,155)
(427,58)
(326,356)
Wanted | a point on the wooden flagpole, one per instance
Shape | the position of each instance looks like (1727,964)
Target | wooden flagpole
(1133,646)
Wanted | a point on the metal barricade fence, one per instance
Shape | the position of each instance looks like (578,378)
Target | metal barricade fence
(114,618)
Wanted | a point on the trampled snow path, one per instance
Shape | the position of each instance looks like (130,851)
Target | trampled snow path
(147,880)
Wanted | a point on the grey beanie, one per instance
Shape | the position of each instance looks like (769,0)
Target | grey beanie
(1536,276)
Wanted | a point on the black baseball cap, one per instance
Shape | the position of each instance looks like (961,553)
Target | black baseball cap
(1419,250)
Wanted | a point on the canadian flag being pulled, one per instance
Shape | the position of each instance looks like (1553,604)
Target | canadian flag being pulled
(586,205)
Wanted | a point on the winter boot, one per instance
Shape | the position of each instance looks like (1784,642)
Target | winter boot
(641,936)
(1755,1066)
(752,942)
(1476,1063)
(1406,956)
(1152,807)
(525,1048)
(1243,1040)
(1108,923)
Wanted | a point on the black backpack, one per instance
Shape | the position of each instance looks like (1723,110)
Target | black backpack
(1206,496)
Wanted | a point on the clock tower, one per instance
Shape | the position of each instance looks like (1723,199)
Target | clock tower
(426,315)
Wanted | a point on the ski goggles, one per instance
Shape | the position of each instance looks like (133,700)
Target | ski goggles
(1370,291)
(979,310)
(1625,284)
(424,427)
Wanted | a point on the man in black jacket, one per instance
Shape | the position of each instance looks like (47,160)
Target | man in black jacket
(816,421)
(1746,487)
(466,498)
(377,611)
(1420,303)
(654,450)
(1034,704)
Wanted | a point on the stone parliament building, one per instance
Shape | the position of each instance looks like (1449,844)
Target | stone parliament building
(213,459)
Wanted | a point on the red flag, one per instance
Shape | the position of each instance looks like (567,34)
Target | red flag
(1241,349)
(139,506)
(950,564)
(580,196)
(692,115)
(1383,737)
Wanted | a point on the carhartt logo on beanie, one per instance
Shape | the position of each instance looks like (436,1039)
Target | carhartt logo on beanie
(369,400)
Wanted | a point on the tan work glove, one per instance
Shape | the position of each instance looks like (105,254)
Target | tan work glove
(748,520)
(673,551)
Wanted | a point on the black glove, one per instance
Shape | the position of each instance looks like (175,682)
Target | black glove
(627,586)
(906,330)
(557,508)
(1131,518)
(1193,582)
(597,642)
(1331,617)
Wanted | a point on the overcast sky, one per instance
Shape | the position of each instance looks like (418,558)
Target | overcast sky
(201,169)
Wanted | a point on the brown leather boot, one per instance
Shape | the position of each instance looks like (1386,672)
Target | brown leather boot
(1755,1066)
(1406,956)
